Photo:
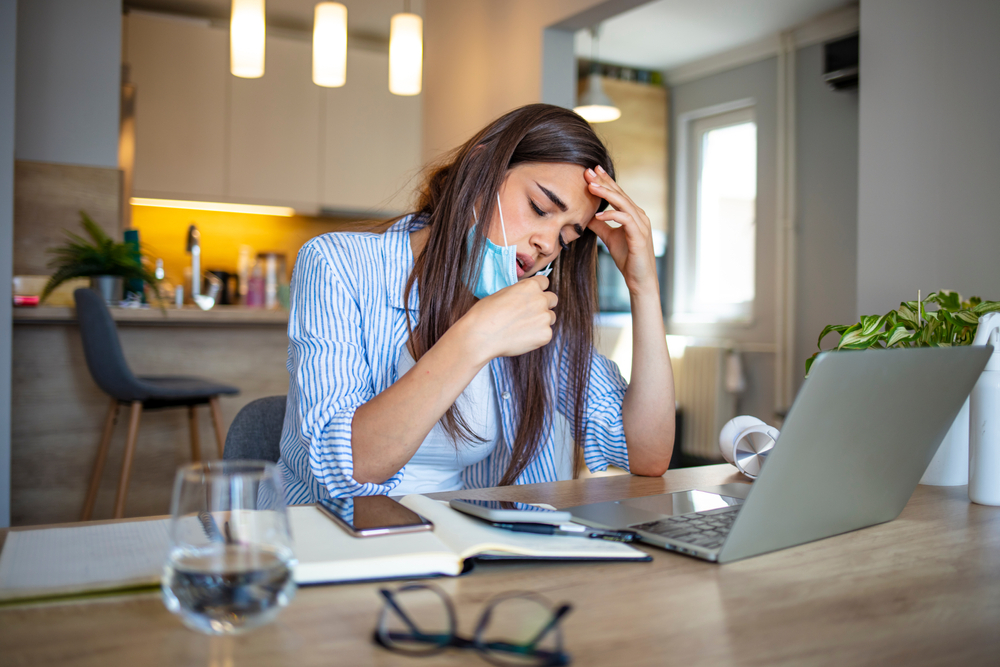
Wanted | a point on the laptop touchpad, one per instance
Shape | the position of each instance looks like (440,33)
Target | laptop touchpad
(682,502)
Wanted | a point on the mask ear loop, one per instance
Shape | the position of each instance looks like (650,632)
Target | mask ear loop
(503,229)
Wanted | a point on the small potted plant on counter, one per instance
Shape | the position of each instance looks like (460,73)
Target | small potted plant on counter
(953,321)
(107,263)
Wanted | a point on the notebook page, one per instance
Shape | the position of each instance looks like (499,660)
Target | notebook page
(326,553)
(470,537)
(78,559)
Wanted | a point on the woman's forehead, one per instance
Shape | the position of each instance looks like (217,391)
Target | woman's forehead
(561,183)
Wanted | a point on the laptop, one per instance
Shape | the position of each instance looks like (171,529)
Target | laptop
(856,442)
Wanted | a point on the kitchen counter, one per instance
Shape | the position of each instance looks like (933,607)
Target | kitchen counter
(186,316)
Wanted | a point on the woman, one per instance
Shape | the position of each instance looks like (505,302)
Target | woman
(439,353)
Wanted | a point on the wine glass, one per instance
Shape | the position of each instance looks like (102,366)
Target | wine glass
(230,563)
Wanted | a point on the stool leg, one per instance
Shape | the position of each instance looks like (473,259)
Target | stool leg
(220,440)
(133,432)
(193,428)
(102,455)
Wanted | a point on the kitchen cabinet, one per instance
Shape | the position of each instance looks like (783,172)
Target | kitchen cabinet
(204,134)
(274,147)
(180,69)
(378,168)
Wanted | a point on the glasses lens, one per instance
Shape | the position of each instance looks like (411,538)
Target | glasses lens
(520,630)
(417,620)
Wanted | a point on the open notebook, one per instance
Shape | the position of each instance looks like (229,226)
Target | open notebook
(326,553)
(88,559)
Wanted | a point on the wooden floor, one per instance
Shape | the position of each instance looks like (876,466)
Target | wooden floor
(921,590)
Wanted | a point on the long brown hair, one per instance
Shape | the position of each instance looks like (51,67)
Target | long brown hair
(470,176)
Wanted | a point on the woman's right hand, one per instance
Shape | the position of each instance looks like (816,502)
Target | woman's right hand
(515,320)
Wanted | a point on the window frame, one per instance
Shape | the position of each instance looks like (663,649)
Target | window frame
(691,126)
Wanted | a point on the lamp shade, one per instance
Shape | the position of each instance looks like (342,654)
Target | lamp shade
(595,106)
(246,39)
(406,54)
(330,45)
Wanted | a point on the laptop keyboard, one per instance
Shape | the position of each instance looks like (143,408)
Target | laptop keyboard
(702,529)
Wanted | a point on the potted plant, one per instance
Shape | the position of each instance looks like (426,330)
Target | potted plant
(953,321)
(101,259)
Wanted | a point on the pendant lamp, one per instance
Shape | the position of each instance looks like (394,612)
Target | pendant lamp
(246,39)
(330,45)
(594,105)
(406,53)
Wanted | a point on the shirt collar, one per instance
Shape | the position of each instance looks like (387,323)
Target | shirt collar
(399,263)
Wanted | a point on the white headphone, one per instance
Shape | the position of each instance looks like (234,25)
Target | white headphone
(745,442)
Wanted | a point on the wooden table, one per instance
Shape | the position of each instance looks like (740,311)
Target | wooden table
(921,590)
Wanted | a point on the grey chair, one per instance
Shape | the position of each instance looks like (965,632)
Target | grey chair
(256,431)
(111,372)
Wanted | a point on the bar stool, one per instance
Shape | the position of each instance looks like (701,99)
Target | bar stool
(112,374)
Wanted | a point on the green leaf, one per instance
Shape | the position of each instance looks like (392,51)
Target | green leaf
(809,362)
(871,324)
(986,307)
(830,328)
(967,316)
(947,299)
(899,335)
(858,340)
(908,315)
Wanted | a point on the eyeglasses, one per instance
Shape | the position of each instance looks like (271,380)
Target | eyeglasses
(518,628)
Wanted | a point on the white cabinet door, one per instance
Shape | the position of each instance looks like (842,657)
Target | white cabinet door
(179,68)
(274,149)
(203,134)
(372,143)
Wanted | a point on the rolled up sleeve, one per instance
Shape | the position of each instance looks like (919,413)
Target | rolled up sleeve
(330,374)
(604,440)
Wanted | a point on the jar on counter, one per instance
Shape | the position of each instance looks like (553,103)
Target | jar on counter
(268,284)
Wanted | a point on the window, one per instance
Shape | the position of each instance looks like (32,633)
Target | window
(716,231)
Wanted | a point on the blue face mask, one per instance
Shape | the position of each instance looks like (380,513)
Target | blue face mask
(498,268)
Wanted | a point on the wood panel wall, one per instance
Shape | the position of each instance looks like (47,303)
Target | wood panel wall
(638,144)
(48,199)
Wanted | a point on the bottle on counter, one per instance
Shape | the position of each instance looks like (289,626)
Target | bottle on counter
(255,287)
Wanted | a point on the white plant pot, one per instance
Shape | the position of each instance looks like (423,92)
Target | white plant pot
(950,466)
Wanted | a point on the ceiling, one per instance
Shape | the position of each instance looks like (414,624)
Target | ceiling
(663,34)
(368,18)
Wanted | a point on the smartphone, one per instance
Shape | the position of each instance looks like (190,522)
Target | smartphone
(505,511)
(370,516)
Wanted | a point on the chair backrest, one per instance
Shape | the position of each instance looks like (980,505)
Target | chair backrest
(102,348)
(256,431)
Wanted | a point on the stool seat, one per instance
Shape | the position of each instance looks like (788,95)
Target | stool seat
(109,369)
(167,391)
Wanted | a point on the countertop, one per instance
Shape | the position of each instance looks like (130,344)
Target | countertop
(187,316)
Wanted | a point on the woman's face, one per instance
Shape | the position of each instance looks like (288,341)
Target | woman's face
(546,206)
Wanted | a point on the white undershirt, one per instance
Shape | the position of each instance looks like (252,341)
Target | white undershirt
(437,465)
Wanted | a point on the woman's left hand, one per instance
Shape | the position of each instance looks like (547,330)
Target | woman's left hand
(631,245)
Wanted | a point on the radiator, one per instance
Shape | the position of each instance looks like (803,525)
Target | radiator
(700,386)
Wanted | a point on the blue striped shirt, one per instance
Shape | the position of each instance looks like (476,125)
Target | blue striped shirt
(346,327)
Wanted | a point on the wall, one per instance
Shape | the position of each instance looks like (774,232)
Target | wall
(481,59)
(826,203)
(68,77)
(8,55)
(928,199)
(163,233)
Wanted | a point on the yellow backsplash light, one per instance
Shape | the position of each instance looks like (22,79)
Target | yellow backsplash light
(163,235)
(252,209)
